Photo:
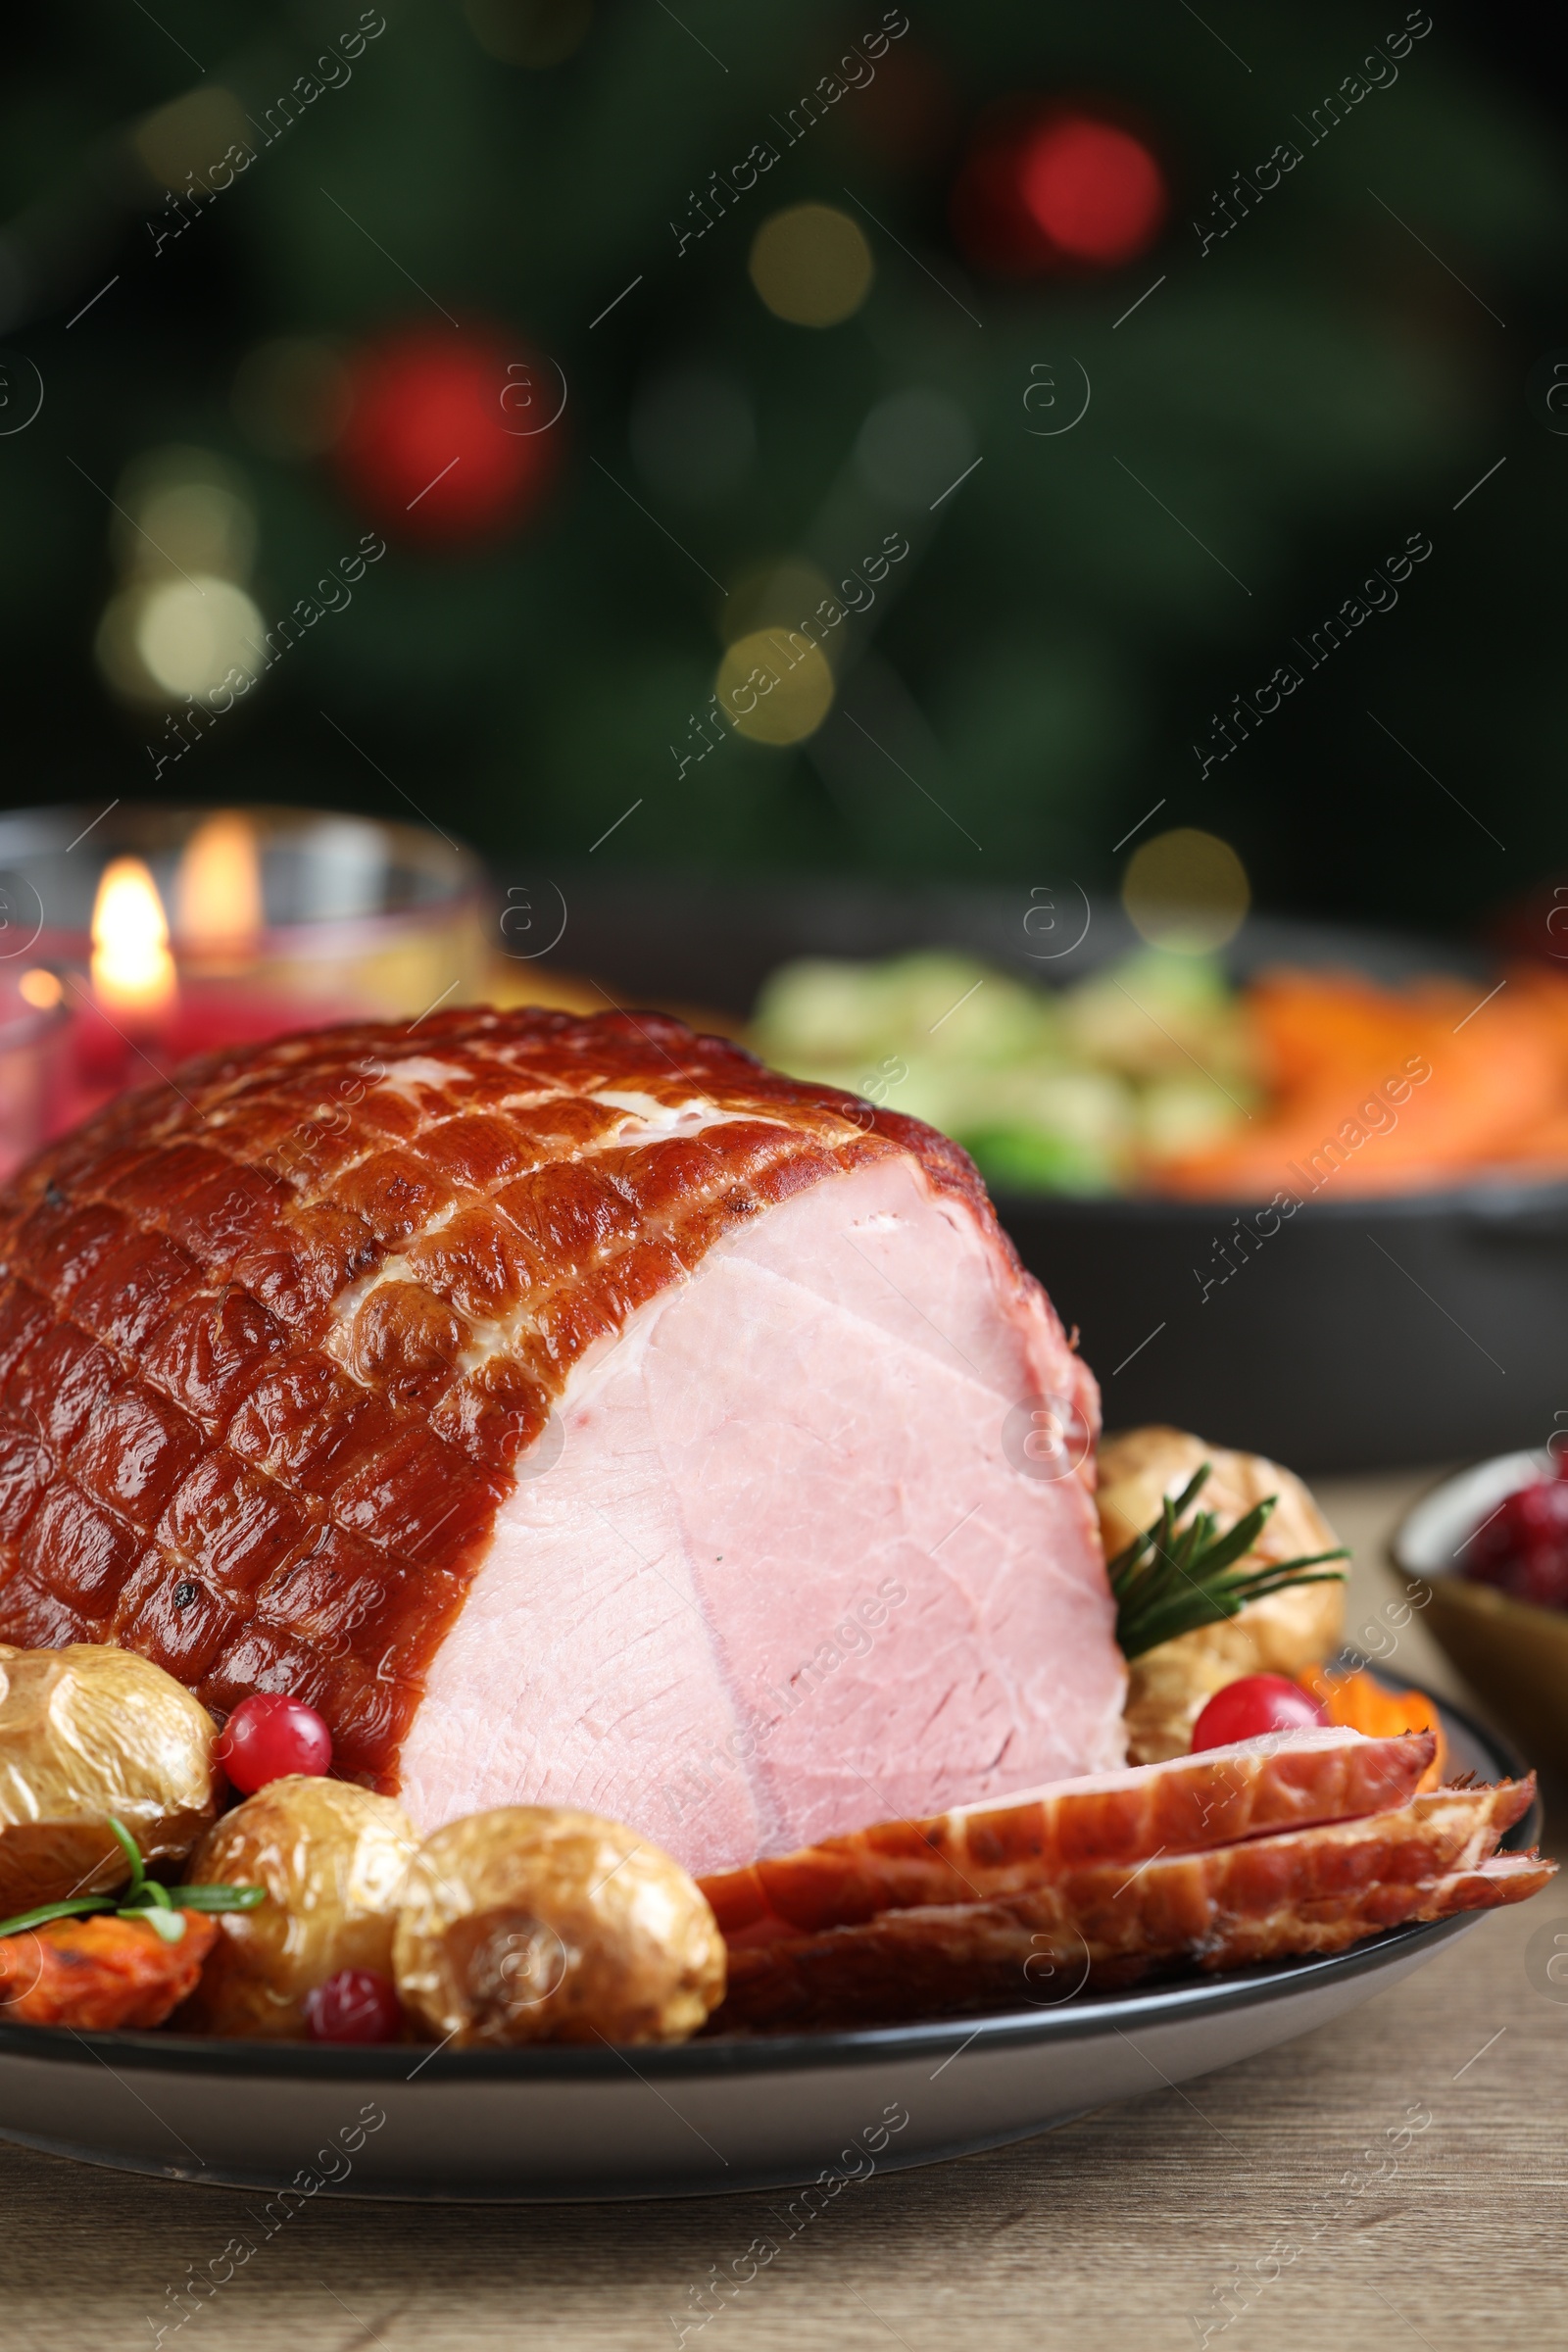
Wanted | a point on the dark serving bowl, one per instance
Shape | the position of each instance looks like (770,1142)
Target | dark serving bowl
(1363,1332)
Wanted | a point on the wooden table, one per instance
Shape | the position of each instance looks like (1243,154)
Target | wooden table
(1111,2232)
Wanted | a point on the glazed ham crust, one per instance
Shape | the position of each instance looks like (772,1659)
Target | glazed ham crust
(974,1854)
(273,1337)
(1097,1925)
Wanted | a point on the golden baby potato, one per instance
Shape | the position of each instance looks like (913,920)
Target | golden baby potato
(87,1731)
(332,1857)
(529,1924)
(1169,1686)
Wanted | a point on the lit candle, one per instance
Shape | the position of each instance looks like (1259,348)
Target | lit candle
(207,929)
(217,891)
(132,969)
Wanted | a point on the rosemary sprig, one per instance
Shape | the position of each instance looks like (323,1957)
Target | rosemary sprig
(145,1898)
(1171,1579)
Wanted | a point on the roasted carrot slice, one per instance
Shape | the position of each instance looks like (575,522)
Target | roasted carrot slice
(1360,1702)
(99,1972)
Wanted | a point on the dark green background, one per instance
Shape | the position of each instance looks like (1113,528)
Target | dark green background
(1303,398)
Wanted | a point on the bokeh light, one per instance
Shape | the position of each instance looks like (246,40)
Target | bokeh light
(183,508)
(183,532)
(441,441)
(1053,188)
(184,139)
(772,689)
(1095,191)
(912,445)
(41,987)
(189,634)
(811,265)
(1186,891)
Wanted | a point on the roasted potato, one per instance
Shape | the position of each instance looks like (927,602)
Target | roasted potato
(87,1732)
(332,1858)
(531,1925)
(1280,1634)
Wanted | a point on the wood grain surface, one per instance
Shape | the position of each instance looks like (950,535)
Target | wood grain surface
(1113,2231)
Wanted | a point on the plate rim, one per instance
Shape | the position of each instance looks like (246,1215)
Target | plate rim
(201,2056)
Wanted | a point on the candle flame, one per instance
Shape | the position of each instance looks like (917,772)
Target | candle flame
(217,891)
(132,969)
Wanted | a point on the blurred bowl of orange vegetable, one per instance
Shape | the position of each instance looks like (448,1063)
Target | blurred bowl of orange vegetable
(1312,1189)
(1513,1652)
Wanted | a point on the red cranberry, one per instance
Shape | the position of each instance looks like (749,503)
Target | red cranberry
(268,1737)
(1523,1548)
(1254,1705)
(355,2006)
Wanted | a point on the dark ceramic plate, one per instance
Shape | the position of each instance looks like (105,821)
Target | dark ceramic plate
(544,2125)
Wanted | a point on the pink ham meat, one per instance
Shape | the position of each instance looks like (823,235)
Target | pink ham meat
(577,1413)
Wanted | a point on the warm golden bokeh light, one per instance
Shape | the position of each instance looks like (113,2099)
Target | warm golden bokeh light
(811,265)
(189,634)
(775,687)
(190,136)
(217,886)
(132,969)
(183,536)
(1186,891)
(183,508)
(40,989)
(194,526)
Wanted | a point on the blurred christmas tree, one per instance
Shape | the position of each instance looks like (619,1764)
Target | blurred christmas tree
(642,334)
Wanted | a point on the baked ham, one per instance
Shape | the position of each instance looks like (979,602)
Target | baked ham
(577,1413)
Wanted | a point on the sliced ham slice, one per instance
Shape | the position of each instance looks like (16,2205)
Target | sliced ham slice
(577,1413)
(1100,1927)
(1289,1781)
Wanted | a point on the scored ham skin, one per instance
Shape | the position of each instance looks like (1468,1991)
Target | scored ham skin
(574,1411)
(1293,1779)
(1099,1926)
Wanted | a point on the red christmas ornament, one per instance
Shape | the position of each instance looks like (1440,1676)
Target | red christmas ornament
(449,436)
(1058,190)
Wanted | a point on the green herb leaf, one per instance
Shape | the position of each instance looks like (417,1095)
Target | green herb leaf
(167,1923)
(144,1899)
(77,1908)
(148,1897)
(219,1898)
(130,1849)
(1171,1579)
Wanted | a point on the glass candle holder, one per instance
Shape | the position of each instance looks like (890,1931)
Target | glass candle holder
(38,1069)
(173,931)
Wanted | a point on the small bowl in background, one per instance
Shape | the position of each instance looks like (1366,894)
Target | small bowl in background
(1513,1656)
